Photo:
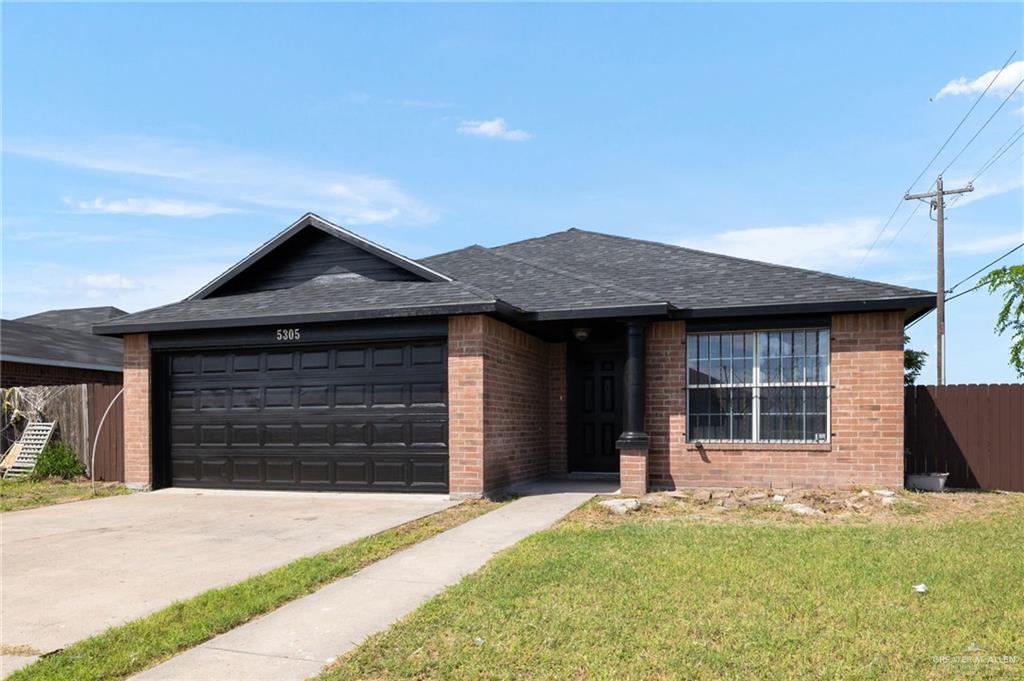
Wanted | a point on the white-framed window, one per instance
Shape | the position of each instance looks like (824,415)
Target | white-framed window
(758,386)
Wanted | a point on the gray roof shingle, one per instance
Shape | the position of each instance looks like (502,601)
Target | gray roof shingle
(685,278)
(570,273)
(73,319)
(34,344)
(327,298)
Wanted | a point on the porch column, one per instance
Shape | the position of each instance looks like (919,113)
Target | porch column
(634,442)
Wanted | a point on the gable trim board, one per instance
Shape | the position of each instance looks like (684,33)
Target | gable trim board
(314,221)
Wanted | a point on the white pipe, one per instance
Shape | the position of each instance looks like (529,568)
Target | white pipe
(96,439)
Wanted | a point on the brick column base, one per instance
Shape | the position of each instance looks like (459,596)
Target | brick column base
(633,472)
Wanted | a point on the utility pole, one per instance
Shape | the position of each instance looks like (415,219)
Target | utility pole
(938,204)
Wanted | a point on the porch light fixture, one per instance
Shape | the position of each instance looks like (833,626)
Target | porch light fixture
(581,333)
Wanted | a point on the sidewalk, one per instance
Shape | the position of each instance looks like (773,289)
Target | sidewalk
(299,639)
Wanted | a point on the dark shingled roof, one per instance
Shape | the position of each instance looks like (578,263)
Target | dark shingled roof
(326,298)
(34,344)
(73,319)
(686,279)
(563,275)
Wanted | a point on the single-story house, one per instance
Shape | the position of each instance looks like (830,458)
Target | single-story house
(323,361)
(57,347)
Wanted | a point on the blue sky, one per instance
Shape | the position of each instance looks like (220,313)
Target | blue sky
(147,148)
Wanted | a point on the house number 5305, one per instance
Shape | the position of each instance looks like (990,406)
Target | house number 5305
(287,334)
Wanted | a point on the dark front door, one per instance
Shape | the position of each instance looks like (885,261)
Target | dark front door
(372,416)
(595,411)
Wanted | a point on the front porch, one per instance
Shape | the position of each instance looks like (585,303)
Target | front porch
(566,399)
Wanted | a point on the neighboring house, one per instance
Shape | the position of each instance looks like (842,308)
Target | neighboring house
(324,361)
(57,347)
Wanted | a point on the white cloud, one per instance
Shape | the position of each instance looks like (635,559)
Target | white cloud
(494,128)
(828,245)
(147,282)
(1008,79)
(986,190)
(107,282)
(231,178)
(164,207)
(993,244)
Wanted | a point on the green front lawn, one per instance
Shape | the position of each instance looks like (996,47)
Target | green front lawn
(128,649)
(674,591)
(17,495)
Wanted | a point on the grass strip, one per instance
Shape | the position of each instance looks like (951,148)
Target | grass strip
(130,648)
(18,495)
(678,599)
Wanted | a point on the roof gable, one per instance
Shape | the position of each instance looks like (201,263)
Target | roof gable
(310,248)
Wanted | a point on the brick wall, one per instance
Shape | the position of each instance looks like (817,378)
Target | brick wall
(466,405)
(666,400)
(137,430)
(21,374)
(558,455)
(505,425)
(867,416)
(633,473)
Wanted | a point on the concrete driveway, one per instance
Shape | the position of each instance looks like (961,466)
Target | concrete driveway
(73,570)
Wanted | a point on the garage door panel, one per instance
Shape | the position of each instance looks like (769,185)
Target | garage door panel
(369,417)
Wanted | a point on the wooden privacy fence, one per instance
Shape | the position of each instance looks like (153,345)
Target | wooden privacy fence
(77,410)
(973,432)
(110,445)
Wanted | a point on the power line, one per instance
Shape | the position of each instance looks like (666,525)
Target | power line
(899,231)
(964,293)
(1014,137)
(935,156)
(974,274)
(918,319)
(983,125)
(971,290)
(999,152)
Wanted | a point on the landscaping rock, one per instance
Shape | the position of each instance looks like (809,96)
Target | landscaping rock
(756,496)
(864,493)
(730,503)
(778,499)
(721,494)
(884,492)
(702,496)
(678,494)
(802,509)
(888,501)
(621,506)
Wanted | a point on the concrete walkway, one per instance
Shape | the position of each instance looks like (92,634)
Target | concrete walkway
(72,570)
(299,639)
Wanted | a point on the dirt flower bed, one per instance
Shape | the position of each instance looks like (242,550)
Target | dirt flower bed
(812,505)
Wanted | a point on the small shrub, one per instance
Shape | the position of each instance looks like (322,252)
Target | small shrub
(58,460)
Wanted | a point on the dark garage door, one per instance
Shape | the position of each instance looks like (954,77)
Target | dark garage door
(367,417)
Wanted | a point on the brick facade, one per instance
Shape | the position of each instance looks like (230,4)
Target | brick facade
(867,416)
(504,391)
(138,469)
(21,374)
(507,413)
(633,475)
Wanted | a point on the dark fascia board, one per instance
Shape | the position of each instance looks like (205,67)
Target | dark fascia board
(313,220)
(907,303)
(643,310)
(40,361)
(292,318)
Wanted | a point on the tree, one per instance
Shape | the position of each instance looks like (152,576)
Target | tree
(913,362)
(1011,317)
